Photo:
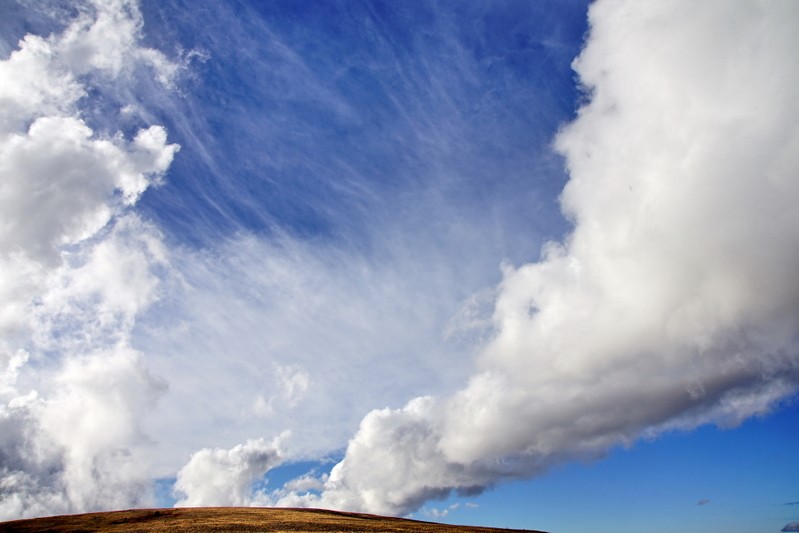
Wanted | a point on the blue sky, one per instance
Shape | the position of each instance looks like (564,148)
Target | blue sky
(366,110)
(705,480)
(510,263)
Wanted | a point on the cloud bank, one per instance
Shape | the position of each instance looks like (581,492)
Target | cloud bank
(77,268)
(672,303)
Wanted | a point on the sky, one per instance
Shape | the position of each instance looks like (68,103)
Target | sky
(508,263)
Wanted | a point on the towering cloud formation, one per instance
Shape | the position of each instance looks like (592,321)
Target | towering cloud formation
(76,270)
(673,302)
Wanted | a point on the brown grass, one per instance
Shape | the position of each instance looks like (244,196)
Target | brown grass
(233,519)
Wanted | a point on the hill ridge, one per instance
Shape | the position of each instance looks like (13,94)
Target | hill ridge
(236,519)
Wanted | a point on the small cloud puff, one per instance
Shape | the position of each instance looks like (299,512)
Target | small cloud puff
(437,513)
(215,477)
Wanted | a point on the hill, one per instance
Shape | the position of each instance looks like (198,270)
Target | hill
(234,519)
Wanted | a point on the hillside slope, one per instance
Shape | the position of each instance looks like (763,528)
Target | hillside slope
(233,519)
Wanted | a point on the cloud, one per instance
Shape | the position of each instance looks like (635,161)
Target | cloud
(105,38)
(75,396)
(439,513)
(670,305)
(394,464)
(218,477)
(791,526)
(703,501)
(307,336)
(672,290)
(97,48)
(340,247)
(70,179)
(292,384)
(77,268)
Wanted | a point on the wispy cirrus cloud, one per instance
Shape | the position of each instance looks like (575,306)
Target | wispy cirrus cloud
(349,233)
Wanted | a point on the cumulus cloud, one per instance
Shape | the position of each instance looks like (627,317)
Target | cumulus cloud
(80,447)
(673,301)
(215,476)
(73,398)
(672,297)
(59,171)
(791,526)
(394,464)
(76,268)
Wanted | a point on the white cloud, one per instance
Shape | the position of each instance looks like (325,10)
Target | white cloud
(305,484)
(49,76)
(299,336)
(292,384)
(73,398)
(437,513)
(673,295)
(68,178)
(92,300)
(673,303)
(394,464)
(219,477)
(34,86)
(105,39)
(75,271)
(80,447)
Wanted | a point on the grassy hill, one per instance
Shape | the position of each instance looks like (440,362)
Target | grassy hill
(233,519)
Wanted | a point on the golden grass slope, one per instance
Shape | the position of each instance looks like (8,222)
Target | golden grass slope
(233,519)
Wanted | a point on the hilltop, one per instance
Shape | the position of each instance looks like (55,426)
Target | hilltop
(235,519)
